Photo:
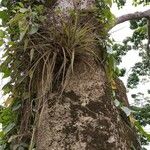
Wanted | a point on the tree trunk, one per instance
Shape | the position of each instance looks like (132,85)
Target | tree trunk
(85,117)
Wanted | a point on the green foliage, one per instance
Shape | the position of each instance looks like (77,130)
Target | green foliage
(135,24)
(120,50)
(142,131)
(138,41)
(133,80)
(8,119)
(20,20)
(142,116)
(138,2)
(120,3)
(135,42)
(41,50)
(4,16)
(104,14)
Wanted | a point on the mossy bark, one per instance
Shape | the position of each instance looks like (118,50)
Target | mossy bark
(85,117)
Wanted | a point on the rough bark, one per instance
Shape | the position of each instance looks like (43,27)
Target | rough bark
(85,117)
(121,92)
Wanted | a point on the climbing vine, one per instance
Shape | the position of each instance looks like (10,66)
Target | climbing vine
(39,53)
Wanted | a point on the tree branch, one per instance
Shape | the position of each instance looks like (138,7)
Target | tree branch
(132,16)
(137,15)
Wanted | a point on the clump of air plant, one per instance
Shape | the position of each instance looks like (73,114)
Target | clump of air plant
(45,61)
(57,48)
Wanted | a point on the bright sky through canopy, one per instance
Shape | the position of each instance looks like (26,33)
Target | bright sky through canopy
(119,33)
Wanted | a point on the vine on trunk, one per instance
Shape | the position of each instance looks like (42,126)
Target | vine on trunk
(45,51)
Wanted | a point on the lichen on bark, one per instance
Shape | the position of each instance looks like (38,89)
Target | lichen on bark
(84,117)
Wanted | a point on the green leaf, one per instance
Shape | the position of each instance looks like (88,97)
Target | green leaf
(1,42)
(5,63)
(23,28)
(1,134)
(11,43)
(7,88)
(23,10)
(7,73)
(126,110)
(34,29)
(109,2)
(4,68)
(39,9)
(4,2)
(4,16)
(2,34)
(9,128)
(18,17)
(21,4)
(141,130)
(6,116)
